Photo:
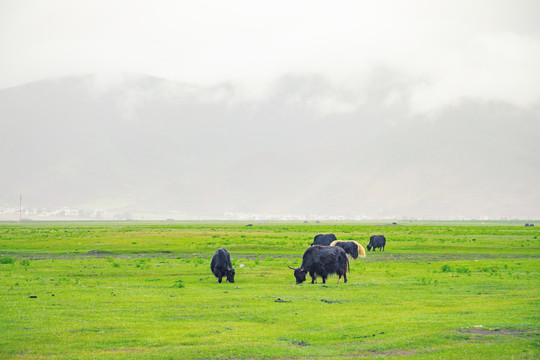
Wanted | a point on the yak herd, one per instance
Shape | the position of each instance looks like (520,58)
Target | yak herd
(326,256)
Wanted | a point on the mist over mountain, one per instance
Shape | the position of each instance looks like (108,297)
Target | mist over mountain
(304,145)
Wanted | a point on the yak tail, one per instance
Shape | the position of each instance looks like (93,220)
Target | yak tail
(361,251)
(348,270)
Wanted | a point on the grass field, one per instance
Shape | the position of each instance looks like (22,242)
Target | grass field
(145,290)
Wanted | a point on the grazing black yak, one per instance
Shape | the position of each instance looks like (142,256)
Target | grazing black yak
(221,265)
(351,247)
(376,241)
(322,261)
(323,239)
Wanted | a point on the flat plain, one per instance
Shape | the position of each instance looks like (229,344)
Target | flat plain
(135,290)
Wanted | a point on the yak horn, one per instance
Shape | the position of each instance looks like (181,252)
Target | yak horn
(291,268)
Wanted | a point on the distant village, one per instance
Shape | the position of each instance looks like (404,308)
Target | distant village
(73,214)
(29,214)
(76,214)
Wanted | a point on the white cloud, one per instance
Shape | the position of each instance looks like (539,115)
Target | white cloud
(486,50)
(490,67)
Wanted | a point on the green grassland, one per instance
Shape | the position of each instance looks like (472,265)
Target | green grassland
(145,290)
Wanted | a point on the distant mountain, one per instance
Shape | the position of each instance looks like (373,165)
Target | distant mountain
(140,143)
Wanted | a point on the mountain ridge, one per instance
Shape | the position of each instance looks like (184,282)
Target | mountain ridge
(162,145)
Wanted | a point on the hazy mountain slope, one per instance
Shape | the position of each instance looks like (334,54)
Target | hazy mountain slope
(147,144)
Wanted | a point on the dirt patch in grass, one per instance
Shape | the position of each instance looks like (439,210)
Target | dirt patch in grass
(391,353)
(296,342)
(485,331)
(435,257)
(97,253)
(371,258)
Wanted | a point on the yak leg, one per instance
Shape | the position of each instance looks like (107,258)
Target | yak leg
(339,279)
(345,277)
(219,280)
(324,280)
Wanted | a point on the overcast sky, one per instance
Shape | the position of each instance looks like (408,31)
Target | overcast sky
(429,108)
(487,50)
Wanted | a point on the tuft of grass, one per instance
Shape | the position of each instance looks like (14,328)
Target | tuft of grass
(427,280)
(178,284)
(7,260)
(25,262)
(492,269)
(447,268)
(463,270)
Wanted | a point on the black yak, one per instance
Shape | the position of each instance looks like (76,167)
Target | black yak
(221,265)
(323,239)
(376,241)
(351,247)
(322,261)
